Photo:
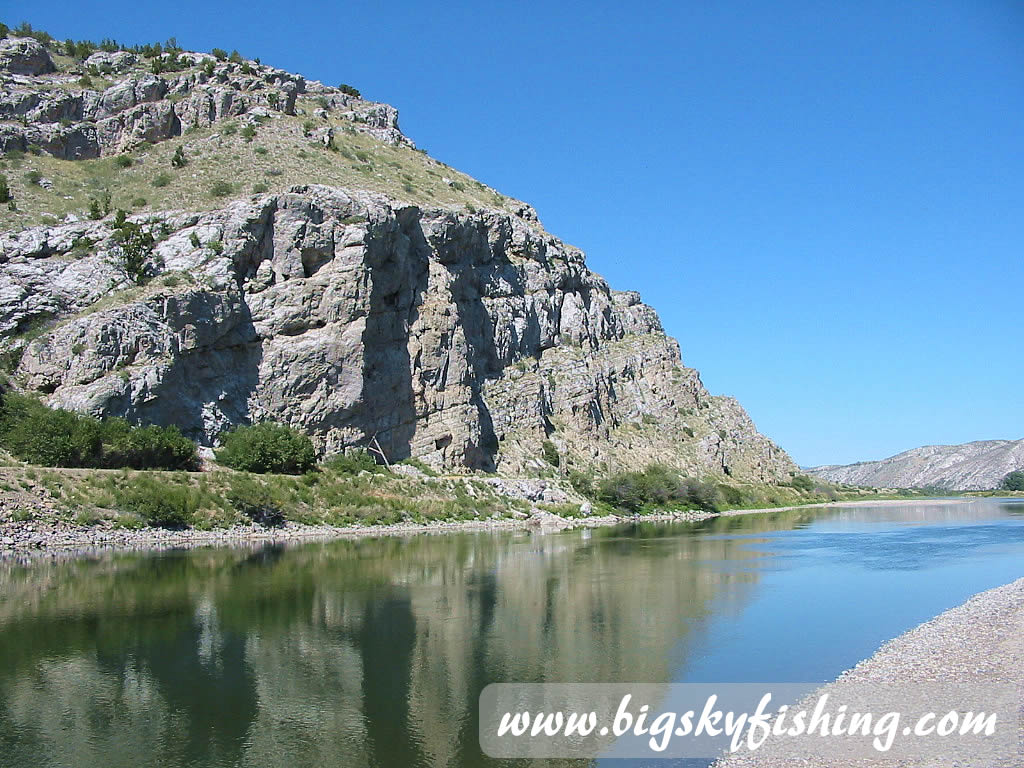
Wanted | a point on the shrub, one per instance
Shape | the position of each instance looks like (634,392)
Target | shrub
(657,486)
(1014,481)
(802,483)
(353,462)
(162,179)
(123,161)
(267,447)
(133,251)
(208,68)
(33,177)
(229,129)
(164,505)
(194,239)
(248,133)
(55,437)
(178,160)
(259,187)
(219,53)
(261,151)
(307,127)
(149,447)
(5,190)
(349,90)
(221,189)
(254,500)
(582,483)
(550,453)
(139,202)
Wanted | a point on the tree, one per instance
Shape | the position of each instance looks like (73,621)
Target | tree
(1014,481)
(134,249)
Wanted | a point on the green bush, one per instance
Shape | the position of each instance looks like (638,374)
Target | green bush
(178,160)
(123,161)
(159,504)
(550,453)
(802,483)
(254,500)
(150,447)
(248,133)
(33,177)
(353,462)
(5,190)
(349,90)
(219,53)
(657,486)
(1014,481)
(161,179)
(55,437)
(267,447)
(221,189)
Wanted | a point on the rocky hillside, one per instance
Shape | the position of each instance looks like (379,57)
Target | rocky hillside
(228,242)
(974,466)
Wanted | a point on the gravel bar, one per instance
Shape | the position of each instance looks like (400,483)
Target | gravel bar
(980,641)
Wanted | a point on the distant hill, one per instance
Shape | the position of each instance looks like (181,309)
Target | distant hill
(974,466)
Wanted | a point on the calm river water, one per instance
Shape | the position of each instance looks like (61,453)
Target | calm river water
(373,652)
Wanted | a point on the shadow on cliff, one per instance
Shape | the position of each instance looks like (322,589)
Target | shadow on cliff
(207,388)
(399,275)
(399,269)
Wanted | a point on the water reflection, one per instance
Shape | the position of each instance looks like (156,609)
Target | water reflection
(370,652)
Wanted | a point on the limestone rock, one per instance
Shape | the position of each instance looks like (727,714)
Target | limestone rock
(464,339)
(24,56)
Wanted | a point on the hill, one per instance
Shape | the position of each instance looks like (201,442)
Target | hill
(973,466)
(204,240)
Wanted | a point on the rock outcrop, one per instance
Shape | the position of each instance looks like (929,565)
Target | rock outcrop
(61,114)
(466,339)
(974,466)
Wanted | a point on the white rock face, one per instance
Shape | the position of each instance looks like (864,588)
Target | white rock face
(464,339)
(974,466)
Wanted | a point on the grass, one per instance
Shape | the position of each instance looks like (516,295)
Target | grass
(283,158)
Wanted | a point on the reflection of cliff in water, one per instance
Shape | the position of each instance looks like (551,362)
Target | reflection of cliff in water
(344,653)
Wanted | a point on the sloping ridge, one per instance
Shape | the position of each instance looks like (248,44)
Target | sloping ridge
(980,465)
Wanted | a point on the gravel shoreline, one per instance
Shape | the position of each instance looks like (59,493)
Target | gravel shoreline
(978,642)
(41,537)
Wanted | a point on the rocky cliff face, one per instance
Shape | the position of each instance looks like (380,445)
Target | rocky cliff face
(974,466)
(464,336)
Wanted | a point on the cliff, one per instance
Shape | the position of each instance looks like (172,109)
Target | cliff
(407,303)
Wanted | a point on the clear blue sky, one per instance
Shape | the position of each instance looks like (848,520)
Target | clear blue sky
(824,200)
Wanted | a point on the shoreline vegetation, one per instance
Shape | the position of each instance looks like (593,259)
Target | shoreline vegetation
(42,529)
(72,480)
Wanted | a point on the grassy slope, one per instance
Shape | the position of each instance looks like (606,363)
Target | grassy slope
(279,156)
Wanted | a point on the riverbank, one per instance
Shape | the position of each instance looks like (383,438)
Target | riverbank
(41,535)
(980,641)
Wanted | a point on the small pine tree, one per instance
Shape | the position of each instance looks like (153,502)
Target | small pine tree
(179,160)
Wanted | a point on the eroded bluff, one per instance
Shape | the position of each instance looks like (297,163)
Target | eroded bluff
(466,339)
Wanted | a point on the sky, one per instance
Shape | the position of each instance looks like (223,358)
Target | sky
(823,200)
